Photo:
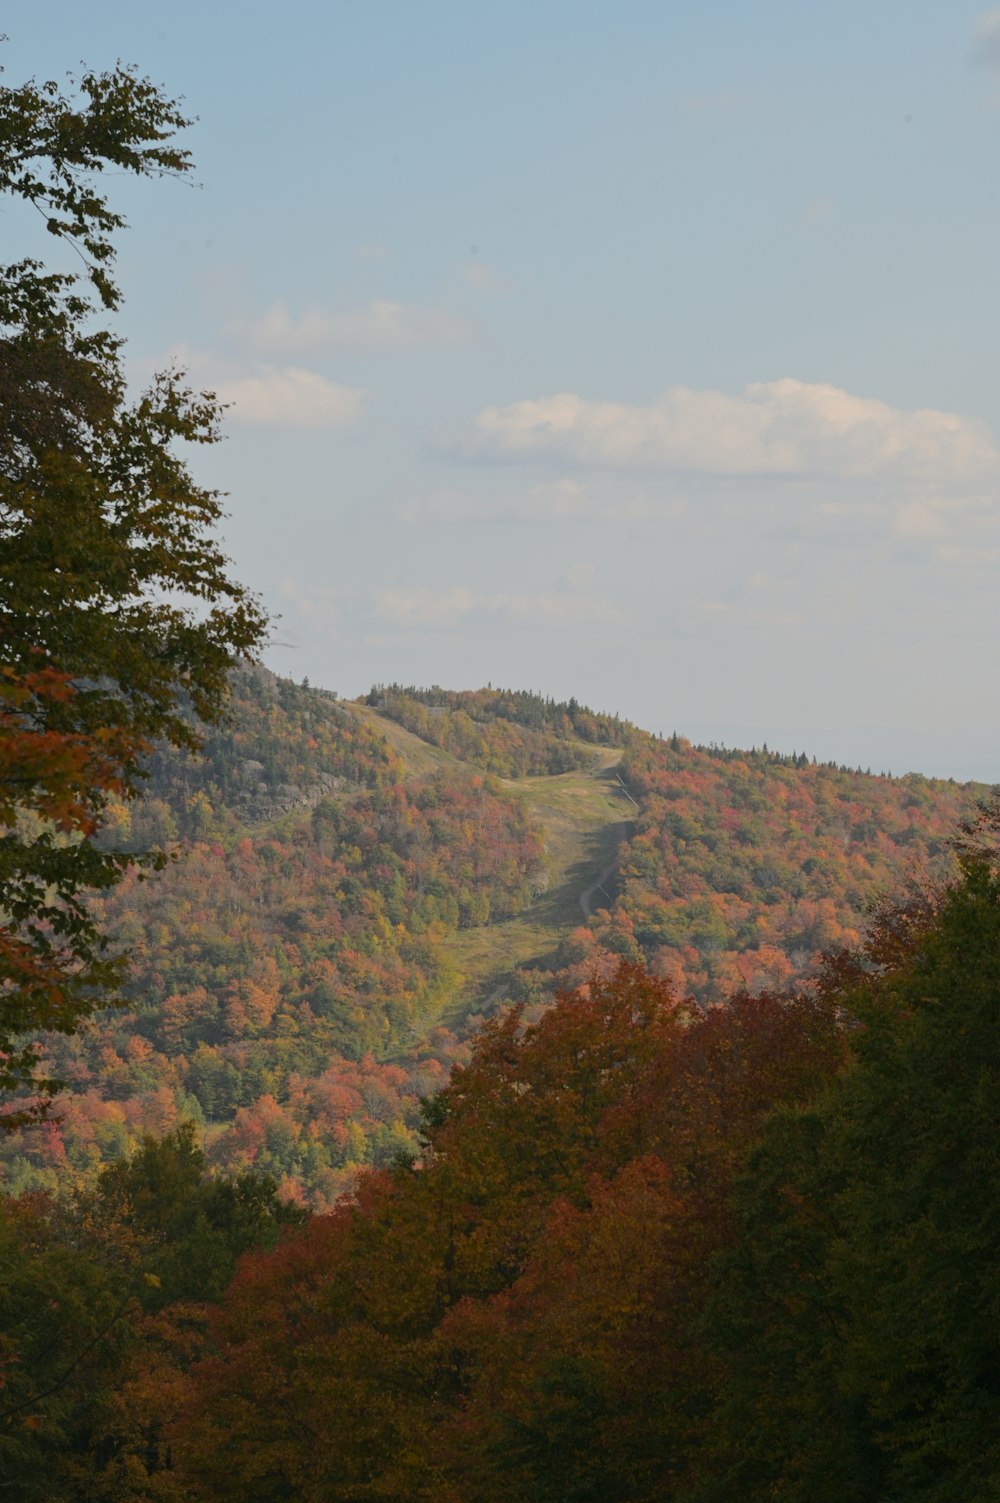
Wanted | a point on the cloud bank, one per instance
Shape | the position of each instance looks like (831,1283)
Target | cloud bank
(381,325)
(772,428)
(259,395)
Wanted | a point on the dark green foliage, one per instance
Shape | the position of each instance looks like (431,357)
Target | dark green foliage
(188,1229)
(63,1337)
(82,1288)
(861,1309)
(116,607)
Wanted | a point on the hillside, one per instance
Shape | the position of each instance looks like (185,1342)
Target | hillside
(351,897)
(720,868)
(582,817)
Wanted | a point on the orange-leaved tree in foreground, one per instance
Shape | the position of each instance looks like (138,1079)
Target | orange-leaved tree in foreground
(515,1318)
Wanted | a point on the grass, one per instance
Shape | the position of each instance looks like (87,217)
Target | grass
(583,817)
(420,759)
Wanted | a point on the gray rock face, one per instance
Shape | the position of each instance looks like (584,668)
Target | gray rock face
(264,802)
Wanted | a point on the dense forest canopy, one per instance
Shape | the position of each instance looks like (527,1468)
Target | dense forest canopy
(649,1254)
(295,987)
(288,972)
(521,707)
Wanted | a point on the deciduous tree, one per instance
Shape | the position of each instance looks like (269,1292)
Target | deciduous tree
(118,615)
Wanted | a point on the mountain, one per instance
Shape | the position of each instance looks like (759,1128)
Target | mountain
(357,884)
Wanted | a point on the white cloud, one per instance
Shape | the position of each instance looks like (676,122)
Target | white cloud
(423,607)
(291,398)
(481,277)
(559,609)
(780,428)
(381,325)
(268,396)
(986,39)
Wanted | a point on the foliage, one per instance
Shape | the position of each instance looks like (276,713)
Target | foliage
(116,607)
(63,1339)
(744,867)
(867,1265)
(279,969)
(87,1362)
(514,734)
(482,1328)
(291,972)
(649,1253)
(281,747)
(656,1255)
(186,1229)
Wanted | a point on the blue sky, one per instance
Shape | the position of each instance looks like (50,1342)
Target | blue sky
(642,352)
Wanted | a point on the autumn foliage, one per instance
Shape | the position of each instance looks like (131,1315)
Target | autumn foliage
(650,1253)
(481,1327)
(287,974)
(290,974)
(512,733)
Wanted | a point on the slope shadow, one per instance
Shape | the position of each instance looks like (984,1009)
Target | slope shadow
(563,907)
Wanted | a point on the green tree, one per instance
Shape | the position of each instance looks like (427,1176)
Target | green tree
(117,612)
(98,1317)
(63,1342)
(185,1228)
(860,1307)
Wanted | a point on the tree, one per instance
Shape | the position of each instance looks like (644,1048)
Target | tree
(858,1308)
(100,1314)
(118,618)
(518,1318)
(63,1346)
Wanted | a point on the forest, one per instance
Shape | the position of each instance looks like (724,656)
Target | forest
(647,1251)
(513,734)
(292,988)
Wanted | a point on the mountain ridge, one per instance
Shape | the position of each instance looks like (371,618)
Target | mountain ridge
(352,899)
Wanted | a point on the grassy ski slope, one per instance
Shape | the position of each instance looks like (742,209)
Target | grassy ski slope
(583,816)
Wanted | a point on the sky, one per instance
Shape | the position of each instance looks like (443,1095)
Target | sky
(641,352)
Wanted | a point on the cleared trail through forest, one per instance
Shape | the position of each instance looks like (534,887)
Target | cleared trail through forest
(583,817)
